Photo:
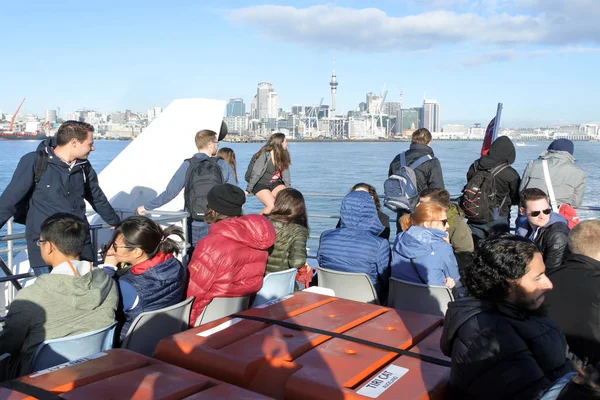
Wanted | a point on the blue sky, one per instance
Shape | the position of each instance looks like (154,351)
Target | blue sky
(538,57)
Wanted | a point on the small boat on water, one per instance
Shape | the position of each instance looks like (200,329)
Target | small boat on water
(523,144)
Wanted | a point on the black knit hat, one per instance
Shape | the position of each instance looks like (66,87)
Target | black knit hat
(226,199)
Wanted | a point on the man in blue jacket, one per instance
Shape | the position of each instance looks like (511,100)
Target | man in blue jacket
(68,180)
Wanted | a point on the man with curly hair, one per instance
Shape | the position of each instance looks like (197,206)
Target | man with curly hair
(501,347)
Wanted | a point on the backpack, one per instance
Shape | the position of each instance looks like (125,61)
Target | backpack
(400,189)
(250,168)
(478,200)
(201,176)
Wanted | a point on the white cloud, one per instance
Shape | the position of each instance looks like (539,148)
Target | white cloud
(510,55)
(540,22)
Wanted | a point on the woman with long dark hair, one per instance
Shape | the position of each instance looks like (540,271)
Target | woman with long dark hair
(149,277)
(268,172)
(288,217)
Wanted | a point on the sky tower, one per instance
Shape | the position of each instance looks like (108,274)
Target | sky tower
(333,85)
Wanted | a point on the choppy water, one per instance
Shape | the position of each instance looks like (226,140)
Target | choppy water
(335,167)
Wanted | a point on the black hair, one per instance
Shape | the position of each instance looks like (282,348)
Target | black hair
(497,261)
(66,231)
(143,233)
(73,130)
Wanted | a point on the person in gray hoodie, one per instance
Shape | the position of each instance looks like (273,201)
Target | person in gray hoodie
(567,178)
(74,298)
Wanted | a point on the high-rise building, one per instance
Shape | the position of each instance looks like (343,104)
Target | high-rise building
(50,116)
(373,103)
(297,109)
(236,108)
(409,120)
(431,115)
(254,107)
(392,108)
(262,99)
(334,84)
(272,105)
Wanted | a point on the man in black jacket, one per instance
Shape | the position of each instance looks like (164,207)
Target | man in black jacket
(547,229)
(502,152)
(429,174)
(67,181)
(574,304)
(501,347)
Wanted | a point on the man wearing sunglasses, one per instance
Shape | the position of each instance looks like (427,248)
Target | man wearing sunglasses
(546,228)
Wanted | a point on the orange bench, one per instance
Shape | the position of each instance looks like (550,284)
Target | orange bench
(281,362)
(123,374)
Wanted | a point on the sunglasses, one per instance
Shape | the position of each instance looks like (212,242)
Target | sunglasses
(443,221)
(547,211)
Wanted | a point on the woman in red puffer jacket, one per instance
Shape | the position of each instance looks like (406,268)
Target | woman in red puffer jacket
(230,261)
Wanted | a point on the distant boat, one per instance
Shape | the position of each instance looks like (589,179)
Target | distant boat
(7,135)
(523,144)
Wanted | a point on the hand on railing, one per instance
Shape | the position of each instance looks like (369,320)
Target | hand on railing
(141,210)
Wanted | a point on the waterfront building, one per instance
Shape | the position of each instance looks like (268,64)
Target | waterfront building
(431,115)
(254,107)
(272,105)
(236,108)
(455,128)
(49,116)
(410,119)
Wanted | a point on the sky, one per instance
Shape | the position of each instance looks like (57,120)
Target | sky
(538,57)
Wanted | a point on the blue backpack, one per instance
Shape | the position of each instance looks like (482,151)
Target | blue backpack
(400,189)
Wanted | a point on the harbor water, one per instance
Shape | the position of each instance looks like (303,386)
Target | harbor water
(334,167)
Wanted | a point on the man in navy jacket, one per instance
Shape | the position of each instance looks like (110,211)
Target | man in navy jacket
(67,181)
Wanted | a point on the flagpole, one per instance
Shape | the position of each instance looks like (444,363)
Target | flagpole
(497,122)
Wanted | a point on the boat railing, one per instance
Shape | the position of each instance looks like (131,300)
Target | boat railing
(162,217)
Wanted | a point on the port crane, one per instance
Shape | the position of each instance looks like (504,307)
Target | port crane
(12,119)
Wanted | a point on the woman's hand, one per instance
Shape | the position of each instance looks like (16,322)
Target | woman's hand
(449,282)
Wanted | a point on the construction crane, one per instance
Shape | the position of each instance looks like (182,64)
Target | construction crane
(12,120)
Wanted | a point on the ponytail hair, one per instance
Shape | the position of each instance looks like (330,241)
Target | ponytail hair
(422,213)
(144,233)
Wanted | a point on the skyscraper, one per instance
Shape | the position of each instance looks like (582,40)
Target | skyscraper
(431,115)
(236,108)
(272,105)
(262,99)
(254,107)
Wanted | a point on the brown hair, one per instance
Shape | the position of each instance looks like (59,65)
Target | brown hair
(204,138)
(532,194)
(423,212)
(228,155)
(440,196)
(73,130)
(421,136)
(289,207)
(371,190)
(212,217)
(583,238)
(280,155)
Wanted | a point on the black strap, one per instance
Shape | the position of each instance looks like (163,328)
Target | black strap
(391,349)
(30,390)
(412,262)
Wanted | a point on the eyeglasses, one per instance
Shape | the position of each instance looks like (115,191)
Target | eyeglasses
(443,221)
(121,246)
(547,211)
(39,242)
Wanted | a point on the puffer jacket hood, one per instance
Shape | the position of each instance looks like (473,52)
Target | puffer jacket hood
(254,231)
(48,143)
(502,151)
(418,241)
(359,212)
(86,292)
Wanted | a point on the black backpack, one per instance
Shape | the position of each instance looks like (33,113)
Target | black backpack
(201,176)
(478,200)
(22,207)
(250,168)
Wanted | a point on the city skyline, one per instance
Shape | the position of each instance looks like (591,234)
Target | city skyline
(467,55)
